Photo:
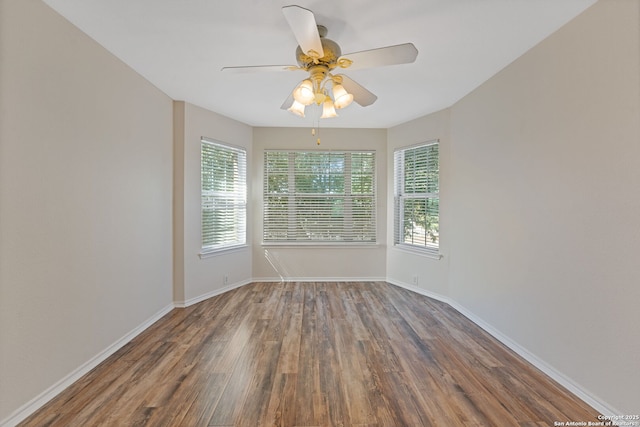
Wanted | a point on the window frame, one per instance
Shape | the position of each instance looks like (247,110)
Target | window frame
(400,195)
(292,233)
(238,198)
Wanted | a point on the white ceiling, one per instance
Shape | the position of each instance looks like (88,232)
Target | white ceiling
(181,45)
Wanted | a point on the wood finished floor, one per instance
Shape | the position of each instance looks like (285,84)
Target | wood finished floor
(314,354)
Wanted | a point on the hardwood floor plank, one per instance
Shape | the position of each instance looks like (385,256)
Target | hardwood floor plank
(358,405)
(331,386)
(314,354)
(280,412)
(201,396)
(306,408)
(360,332)
(290,354)
(256,403)
(242,368)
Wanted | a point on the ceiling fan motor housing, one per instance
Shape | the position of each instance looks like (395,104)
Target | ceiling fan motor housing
(331,53)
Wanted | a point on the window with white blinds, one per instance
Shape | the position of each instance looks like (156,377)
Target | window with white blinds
(319,197)
(416,199)
(224,195)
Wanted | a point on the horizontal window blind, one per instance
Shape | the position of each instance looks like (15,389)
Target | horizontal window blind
(319,197)
(224,195)
(416,198)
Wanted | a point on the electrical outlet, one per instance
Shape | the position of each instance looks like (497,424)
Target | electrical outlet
(225,280)
(414,279)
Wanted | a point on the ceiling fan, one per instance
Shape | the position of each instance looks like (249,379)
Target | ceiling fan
(320,57)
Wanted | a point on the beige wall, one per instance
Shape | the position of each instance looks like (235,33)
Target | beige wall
(410,269)
(198,278)
(540,199)
(322,263)
(85,201)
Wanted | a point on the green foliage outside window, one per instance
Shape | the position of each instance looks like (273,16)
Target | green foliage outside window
(319,196)
(223,193)
(417,200)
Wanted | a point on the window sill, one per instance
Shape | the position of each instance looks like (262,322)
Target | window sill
(292,245)
(221,251)
(420,252)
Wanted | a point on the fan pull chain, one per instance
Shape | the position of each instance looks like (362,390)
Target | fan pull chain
(314,132)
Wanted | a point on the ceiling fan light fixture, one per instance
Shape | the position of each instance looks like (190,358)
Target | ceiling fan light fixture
(297,108)
(328,109)
(320,56)
(304,93)
(341,97)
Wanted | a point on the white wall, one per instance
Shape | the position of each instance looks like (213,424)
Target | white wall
(321,263)
(402,265)
(541,193)
(197,278)
(85,201)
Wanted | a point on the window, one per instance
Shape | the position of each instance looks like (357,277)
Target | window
(319,197)
(224,195)
(416,201)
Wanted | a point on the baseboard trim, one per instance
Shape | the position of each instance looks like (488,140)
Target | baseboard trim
(211,294)
(318,279)
(560,378)
(39,401)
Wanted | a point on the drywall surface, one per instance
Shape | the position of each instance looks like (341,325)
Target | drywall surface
(196,276)
(410,267)
(544,237)
(85,201)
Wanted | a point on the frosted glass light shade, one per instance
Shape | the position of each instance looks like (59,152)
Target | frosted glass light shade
(297,108)
(304,93)
(341,97)
(328,109)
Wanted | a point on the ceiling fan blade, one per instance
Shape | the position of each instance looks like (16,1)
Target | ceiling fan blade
(390,55)
(360,95)
(259,68)
(304,27)
(287,102)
